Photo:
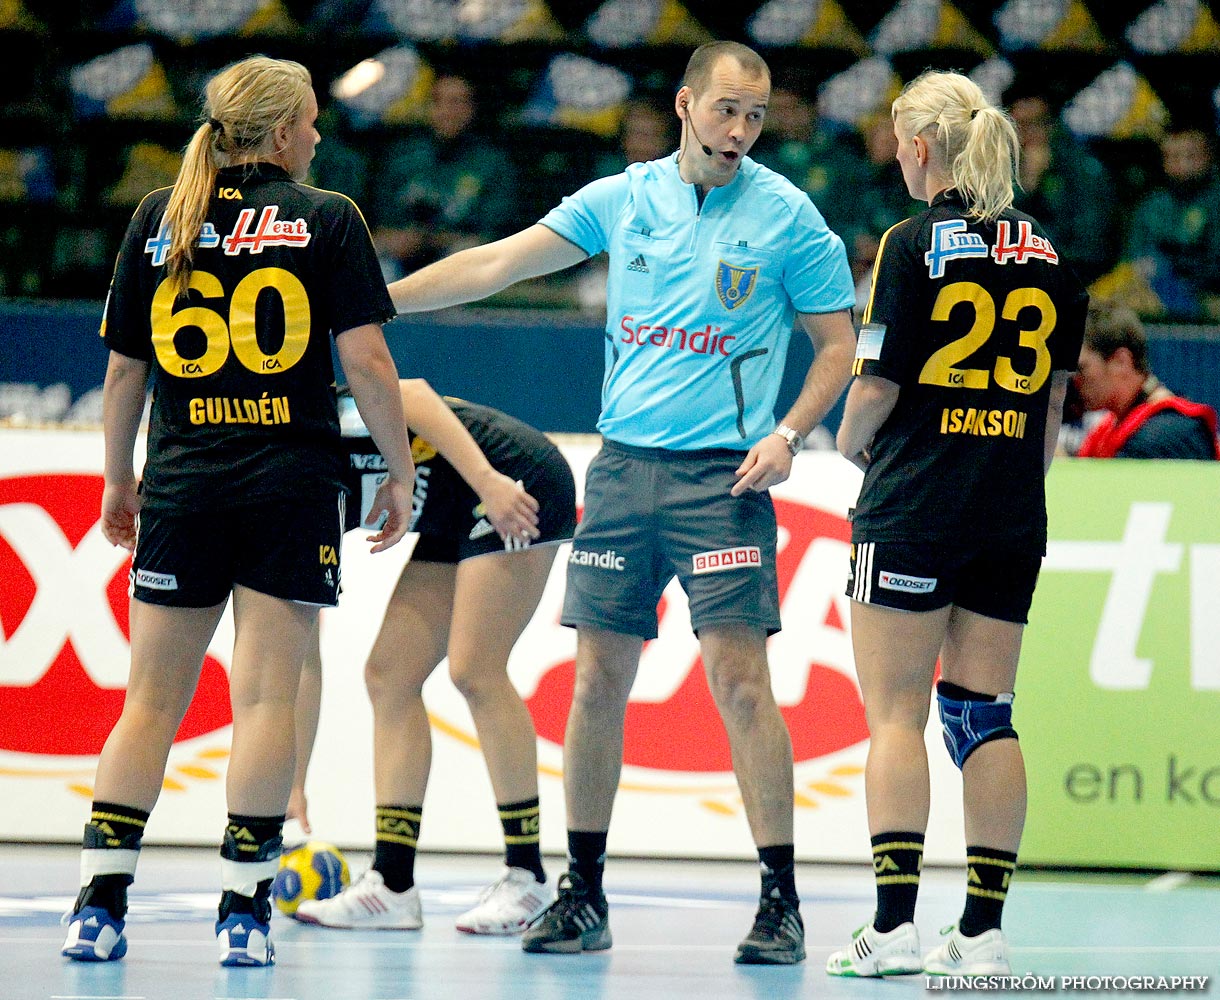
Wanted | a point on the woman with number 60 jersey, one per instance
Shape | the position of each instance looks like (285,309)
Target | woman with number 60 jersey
(973,326)
(228,289)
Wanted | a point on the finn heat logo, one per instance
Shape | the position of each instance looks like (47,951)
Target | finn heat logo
(951,241)
(64,635)
(270,232)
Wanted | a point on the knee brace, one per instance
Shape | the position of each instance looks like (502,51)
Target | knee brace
(970,719)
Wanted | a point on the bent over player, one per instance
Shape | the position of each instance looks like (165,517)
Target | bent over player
(493,499)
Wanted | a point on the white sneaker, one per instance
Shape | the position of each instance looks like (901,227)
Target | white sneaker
(871,953)
(366,904)
(508,905)
(984,955)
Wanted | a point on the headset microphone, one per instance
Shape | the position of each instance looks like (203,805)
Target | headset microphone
(707,150)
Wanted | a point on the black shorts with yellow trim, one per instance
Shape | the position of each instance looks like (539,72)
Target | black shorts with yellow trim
(193,559)
(467,533)
(993,581)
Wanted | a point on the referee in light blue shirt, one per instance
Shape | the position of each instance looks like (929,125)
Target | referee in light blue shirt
(713,258)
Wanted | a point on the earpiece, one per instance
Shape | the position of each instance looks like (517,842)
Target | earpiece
(707,150)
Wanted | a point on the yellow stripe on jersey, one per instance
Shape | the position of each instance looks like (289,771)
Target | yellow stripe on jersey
(872,286)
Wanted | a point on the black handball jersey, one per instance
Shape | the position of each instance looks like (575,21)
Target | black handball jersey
(443,504)
(969,319)
(243,400)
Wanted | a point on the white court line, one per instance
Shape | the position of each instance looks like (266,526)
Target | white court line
(1167,882)
(1148,949)
(1118,949)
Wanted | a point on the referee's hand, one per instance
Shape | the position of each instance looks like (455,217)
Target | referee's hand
(767,463)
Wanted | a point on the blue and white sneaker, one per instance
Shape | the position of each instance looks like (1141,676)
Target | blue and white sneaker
(244,941)
(94,936)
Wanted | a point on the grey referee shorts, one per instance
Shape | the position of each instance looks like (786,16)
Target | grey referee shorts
(652,514)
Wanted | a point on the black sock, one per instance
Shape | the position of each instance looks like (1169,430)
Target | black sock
(778,870)
(252,838)
(520,821)
(897,859)
(394,851)
(116,827)
(987,874)
(587,857)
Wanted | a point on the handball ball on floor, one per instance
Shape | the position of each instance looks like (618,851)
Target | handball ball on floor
(314,870)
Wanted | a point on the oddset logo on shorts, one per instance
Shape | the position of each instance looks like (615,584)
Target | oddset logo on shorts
(682,731)
(64,630)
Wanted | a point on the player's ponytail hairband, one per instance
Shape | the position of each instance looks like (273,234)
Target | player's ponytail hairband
(217,126)
(974,112)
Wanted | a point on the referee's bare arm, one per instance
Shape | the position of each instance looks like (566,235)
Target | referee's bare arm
(834,344)
(834,347)
(474,274)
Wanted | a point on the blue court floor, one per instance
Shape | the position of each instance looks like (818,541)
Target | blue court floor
(675,926)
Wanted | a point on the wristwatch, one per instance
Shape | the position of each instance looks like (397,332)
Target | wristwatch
(795,441)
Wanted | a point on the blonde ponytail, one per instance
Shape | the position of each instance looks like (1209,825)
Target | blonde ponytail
(188,204)
(244,105)
(974,141)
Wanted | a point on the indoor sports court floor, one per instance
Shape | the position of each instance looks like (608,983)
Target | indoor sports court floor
(675,926)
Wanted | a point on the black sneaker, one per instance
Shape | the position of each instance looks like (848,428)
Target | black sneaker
(778,934)
(577,921)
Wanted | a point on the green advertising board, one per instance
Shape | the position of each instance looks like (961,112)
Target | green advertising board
(1118,698)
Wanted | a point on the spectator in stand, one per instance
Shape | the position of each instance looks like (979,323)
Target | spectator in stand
(1143,419)
(443,189)
(1065,187)
(1172,238)
(826,164)
(646,133)
(879,200)
(342,161)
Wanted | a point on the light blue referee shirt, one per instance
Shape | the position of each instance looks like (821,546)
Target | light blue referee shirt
(701,300)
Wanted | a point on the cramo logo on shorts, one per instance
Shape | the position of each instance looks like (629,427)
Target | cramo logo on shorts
(602,560)
(811,666)
(709,340)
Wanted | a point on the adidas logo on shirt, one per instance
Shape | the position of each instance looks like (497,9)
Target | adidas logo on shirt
(639,264)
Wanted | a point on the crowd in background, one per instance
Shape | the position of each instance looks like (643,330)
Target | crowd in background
(464,156)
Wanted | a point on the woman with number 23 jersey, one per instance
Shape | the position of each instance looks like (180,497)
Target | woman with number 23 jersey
(973,326)
(228,289)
